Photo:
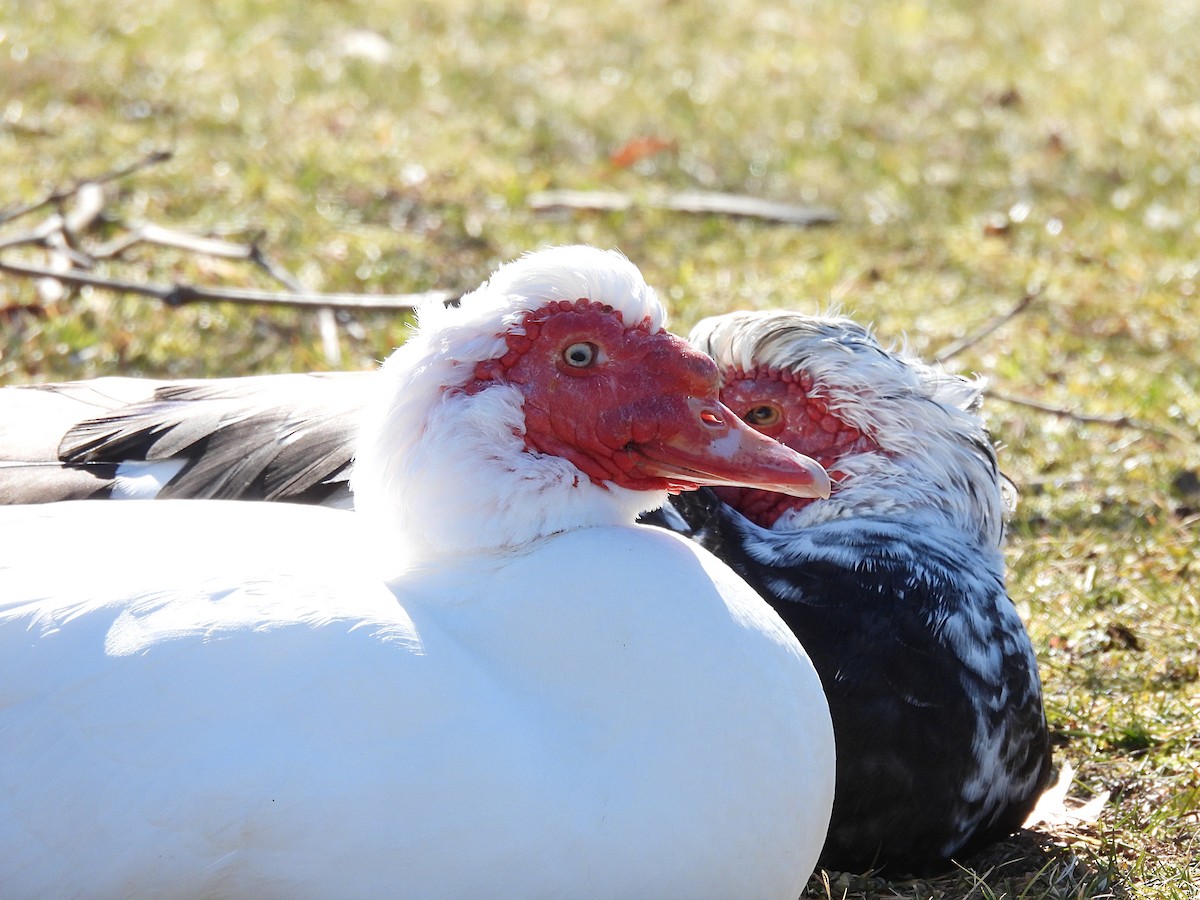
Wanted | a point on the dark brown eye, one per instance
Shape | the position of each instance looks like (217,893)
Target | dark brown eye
(763,416)
(581,355)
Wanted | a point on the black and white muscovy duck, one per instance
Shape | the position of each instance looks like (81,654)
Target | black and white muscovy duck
(895,584)
(486,681)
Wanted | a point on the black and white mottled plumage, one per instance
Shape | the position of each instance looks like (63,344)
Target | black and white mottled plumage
(895,584)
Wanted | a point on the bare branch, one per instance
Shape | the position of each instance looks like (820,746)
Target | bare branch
(598,201)
(180,294)
(149,233)
(327,325)
(89,205)
(54,197)
(69,266)
(268,265)
(1115,421)
(159,235)
(698,202)
(957,347)
(48,228)
(63,244)
(741,206)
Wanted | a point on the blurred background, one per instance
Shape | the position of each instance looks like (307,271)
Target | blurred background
(975,160)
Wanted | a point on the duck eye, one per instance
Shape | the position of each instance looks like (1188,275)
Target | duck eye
(762,416)
(581,355)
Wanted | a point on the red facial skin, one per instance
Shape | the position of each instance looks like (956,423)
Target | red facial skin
(781,405)
(628,406)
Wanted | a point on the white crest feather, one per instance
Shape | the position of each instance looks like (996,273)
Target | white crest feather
(938,456)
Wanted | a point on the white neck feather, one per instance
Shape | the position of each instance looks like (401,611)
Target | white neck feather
(442,473)
(466,483)
(949,487)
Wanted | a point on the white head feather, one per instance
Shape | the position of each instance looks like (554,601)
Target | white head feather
(938,457)
(443,473)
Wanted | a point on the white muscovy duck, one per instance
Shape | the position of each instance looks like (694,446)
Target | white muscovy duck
(487,681)
(895,583)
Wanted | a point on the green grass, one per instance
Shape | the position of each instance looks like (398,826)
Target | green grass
(976,153)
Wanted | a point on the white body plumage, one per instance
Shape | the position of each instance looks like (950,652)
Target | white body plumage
(245,699)
(608,712)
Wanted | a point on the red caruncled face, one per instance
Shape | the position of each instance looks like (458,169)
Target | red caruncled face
(781,405)
(634,408)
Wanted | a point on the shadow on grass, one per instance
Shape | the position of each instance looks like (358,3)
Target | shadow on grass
(1030,865)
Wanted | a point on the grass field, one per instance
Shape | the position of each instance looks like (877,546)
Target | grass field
(977,155)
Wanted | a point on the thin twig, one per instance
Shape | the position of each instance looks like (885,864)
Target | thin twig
(169,237)
(180,294)
(698,202)
(1116,421)
(58,196)
(38,236)
(48,232)
(89,206)
(161,236)
(63,244)
(268,265)
(970,340)
(327,325)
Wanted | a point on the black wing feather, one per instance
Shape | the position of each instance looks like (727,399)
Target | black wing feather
(286,438)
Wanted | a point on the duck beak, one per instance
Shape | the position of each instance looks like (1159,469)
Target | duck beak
(714,447)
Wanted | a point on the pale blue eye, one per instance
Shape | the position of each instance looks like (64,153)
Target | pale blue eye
(580,355)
